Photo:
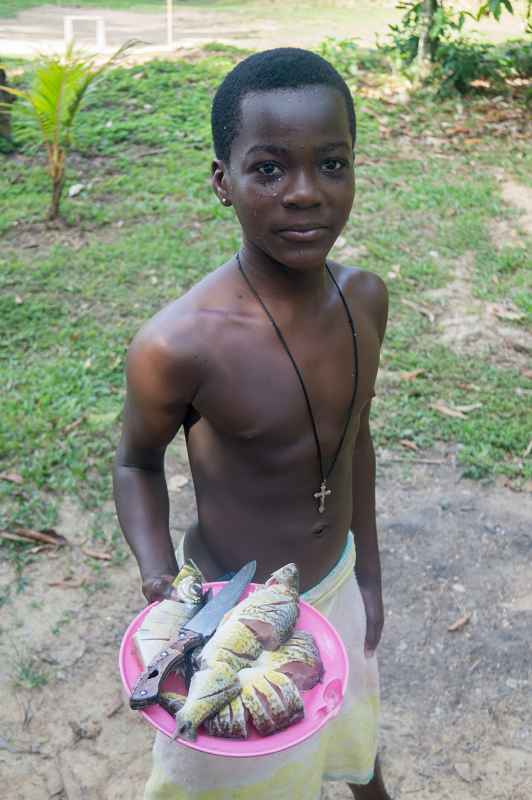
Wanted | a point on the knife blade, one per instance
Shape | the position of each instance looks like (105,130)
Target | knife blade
(196,632)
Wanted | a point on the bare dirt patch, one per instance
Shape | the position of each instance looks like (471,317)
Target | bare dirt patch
(520,196)
(455,719)
(474,327)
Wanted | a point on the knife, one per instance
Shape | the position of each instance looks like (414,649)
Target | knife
(194,633)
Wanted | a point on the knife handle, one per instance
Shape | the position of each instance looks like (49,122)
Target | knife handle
(146,690)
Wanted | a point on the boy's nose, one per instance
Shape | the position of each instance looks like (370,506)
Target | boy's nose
(302,192)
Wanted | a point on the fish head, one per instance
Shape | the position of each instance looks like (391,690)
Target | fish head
(190,591)
(188,584)
(287,576)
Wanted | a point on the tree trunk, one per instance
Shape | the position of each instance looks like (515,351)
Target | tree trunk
(5,115)
(57,190)
(424,51)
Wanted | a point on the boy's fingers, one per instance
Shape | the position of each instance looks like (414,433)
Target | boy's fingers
(159,588)
(373,636)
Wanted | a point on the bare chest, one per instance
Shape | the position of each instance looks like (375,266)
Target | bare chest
(253,392)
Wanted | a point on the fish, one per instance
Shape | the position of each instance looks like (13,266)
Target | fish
(271,611)
(230,722)
(172,702)
(232,643)
(162,623)
(209,691)
(299,658)
(271,698)
(287,576)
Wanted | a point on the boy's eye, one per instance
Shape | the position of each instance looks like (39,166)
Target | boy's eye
(269,170)
(333,165)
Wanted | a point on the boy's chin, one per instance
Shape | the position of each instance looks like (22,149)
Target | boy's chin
(302,257)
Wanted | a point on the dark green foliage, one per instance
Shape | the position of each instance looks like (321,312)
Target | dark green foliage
(404,36)
(463,62)
(348,57)
(459,63)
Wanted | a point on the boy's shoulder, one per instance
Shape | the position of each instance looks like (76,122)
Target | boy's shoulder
(365,291)
(177,331)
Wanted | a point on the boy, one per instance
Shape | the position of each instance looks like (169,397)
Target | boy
(269,364)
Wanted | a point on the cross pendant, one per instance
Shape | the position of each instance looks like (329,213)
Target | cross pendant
(321,495)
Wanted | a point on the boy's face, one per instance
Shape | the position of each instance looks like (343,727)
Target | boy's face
(291,176)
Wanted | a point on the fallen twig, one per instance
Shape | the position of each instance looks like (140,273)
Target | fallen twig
(99,554)
(68,584)
(460,623)
(47,535)
(12,477)
(413,460)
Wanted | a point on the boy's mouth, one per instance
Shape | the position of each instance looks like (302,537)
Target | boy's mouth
(302,233)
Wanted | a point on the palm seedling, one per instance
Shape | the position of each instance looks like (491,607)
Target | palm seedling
(51,104)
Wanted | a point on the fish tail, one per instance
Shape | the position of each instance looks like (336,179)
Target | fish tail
(184,729)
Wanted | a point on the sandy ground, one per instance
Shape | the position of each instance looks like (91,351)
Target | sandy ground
(456,705)
(41,28)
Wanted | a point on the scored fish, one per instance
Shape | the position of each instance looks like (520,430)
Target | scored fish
(234,644)
(210,690)
(271,612)
(272,699)
(299,658)
(230,722)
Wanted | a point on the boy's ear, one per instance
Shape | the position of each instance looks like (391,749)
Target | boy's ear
(221,182)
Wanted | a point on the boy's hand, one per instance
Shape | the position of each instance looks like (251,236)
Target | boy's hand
(159,588)
(372,598)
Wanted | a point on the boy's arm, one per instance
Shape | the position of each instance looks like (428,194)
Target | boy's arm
(363,525)
(161,384)
(363,521)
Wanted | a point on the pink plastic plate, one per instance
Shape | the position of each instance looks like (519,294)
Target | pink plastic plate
(322,703)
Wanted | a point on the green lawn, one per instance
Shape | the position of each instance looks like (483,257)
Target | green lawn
(147,226)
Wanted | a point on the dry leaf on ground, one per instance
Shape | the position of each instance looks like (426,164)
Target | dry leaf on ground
(470,407)
(98,554)
(447,411)
(73,425)
(468,387)
(412,375)
(408,444)
(68,583)
(420,309)
(505,312)
(460,623)
(528,450)
(12,477)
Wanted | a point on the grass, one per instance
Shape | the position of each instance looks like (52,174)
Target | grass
(28,672)
(146,226)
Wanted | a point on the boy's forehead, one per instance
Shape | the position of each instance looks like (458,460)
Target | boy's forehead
(312,111)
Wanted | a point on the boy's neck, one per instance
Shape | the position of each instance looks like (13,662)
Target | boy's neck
(276,281)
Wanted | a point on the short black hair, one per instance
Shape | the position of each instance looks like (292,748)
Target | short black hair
(281,68)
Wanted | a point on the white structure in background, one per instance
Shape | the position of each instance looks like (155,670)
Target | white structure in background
(100,29)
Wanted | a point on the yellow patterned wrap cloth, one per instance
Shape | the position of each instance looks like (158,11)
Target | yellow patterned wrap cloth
(343,750)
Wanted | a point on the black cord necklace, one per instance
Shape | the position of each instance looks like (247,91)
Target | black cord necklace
(323,491)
